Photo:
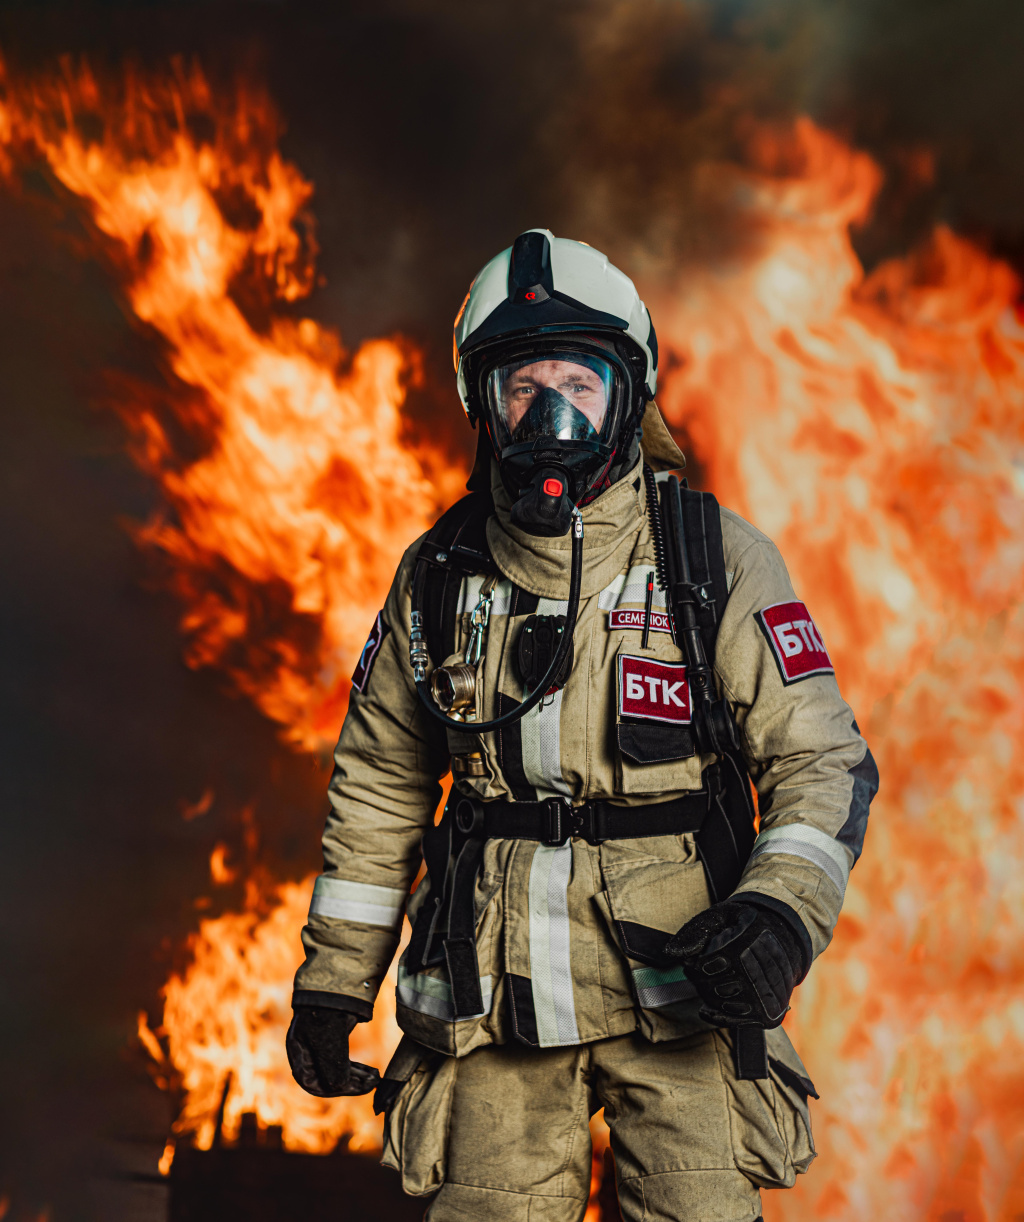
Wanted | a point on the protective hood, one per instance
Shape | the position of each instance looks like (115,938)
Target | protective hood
(611,524)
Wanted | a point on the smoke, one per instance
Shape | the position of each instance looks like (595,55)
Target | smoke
(434,133)
(661,89)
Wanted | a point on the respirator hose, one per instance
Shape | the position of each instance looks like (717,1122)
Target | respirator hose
(561,653)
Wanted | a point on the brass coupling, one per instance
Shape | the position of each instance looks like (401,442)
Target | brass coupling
(469,765)
(453,687)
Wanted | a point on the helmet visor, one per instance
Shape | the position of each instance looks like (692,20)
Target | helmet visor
(568,395)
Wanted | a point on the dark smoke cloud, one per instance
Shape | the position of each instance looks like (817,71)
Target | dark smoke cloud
(434,133)
(930,90)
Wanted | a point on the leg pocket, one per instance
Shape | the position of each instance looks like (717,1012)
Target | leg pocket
(769,1119)
(796,1088)
(416,1127)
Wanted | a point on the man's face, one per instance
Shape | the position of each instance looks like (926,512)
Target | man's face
(581,386)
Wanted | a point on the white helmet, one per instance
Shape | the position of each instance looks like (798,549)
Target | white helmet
(556,353)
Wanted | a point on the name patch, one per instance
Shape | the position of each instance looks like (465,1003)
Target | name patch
(654,691)
(635,619)
(361,674)
(796,643)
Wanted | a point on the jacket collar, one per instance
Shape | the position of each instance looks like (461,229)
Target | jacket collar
(611,525)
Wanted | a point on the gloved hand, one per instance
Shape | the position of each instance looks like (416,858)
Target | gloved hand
(743,960)
(317,1044)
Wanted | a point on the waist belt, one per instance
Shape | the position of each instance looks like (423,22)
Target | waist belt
(556,820)
(445,929)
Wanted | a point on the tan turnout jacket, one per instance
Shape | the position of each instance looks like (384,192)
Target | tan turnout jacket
(547,914)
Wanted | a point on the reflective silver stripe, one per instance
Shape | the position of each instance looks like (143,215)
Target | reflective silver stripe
(661,986)
(469,594)
(550,965)
(541,733)
(810,843)
(428,995)
(631,587)
(363,902)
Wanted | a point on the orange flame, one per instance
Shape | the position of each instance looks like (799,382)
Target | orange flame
(166,1158)
(220,872)
(290,520)
(225,1021)
(874,427)
(294,490)
(872,424)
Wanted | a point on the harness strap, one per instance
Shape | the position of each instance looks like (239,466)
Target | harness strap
(551,822)
(437,852)
(453,548)
(750,1053)
(555,820)
(702,529)
(460,944)
(726,838)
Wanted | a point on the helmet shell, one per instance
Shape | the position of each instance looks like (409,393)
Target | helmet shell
(543,285)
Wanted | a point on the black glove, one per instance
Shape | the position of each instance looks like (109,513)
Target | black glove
(744,962)
(317,1044)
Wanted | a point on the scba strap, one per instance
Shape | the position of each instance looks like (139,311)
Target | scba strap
(455,547)
(726,837)
(702,527)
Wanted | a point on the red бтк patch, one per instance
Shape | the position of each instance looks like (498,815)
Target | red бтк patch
(361,675)
(635,619)
(653,691)
(796,643)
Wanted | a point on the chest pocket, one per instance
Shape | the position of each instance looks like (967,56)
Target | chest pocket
(656,748)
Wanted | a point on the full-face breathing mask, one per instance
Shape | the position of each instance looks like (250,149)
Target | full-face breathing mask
(554,411)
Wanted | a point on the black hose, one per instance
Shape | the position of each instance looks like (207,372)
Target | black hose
(561,653)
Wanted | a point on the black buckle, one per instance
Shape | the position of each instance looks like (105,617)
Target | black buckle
(694,592)
(469,817)
(557,809)
(566,821)
(598,825)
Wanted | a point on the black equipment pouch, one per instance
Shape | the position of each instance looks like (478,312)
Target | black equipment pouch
(538,640)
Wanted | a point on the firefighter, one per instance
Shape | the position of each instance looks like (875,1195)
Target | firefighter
(598,926)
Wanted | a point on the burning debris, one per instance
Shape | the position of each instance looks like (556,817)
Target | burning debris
(224,1024)
(872,424)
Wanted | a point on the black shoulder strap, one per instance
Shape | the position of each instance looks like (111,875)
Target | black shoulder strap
(702,525)
(454,548)
(727,837)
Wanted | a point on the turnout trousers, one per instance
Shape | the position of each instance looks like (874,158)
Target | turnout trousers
(504,1130)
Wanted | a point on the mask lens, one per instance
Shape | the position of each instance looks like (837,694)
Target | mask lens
(566,395)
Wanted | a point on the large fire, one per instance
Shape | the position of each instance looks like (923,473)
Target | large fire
(292,486)
(873,425)
(293,489)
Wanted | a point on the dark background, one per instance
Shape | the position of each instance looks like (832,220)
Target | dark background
(434,132)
